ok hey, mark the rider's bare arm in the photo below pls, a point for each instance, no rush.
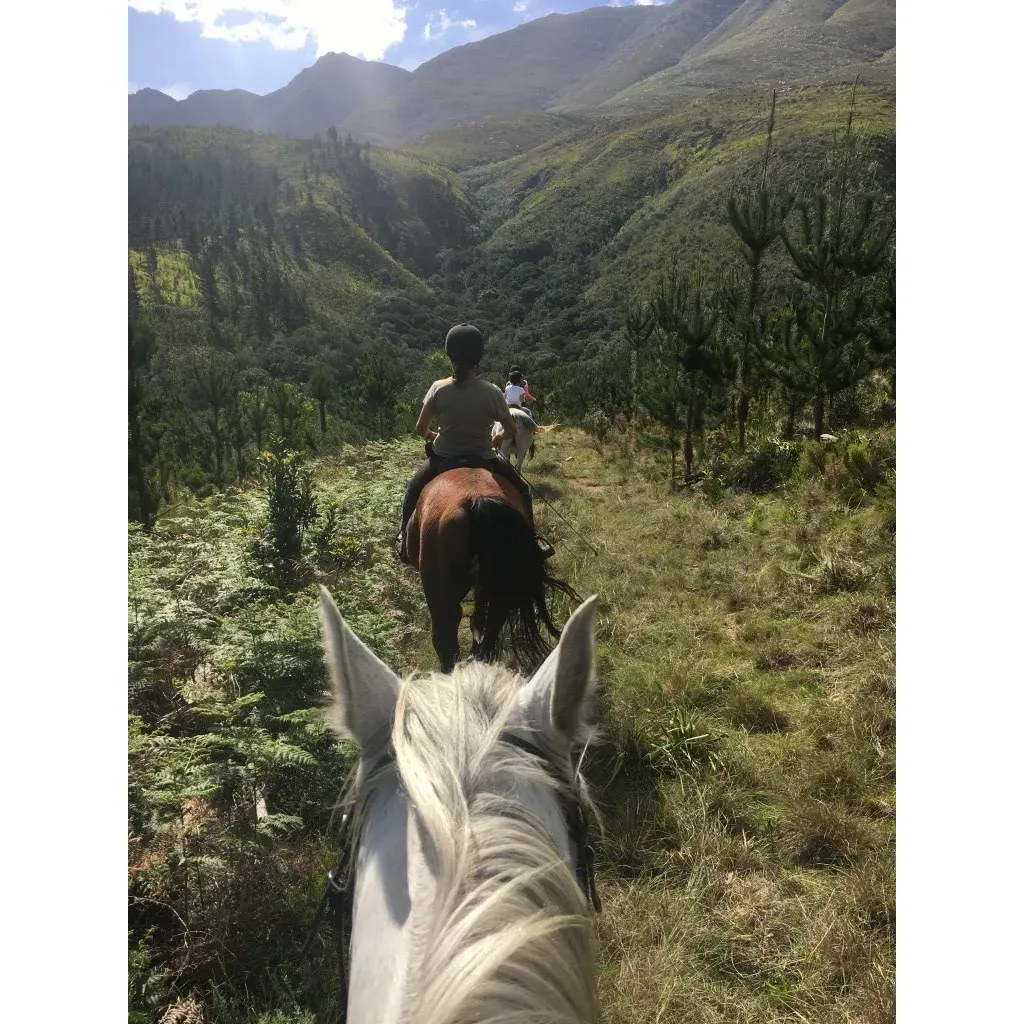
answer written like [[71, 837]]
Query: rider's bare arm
[[508, 423], [423, 423]]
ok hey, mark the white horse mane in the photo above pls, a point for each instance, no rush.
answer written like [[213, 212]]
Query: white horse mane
[[508, 938]]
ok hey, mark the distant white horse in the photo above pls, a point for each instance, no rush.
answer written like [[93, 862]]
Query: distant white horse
[[465, 905], [526, 431]]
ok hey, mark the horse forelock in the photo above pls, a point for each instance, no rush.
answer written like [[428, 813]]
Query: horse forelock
[[507, 934]]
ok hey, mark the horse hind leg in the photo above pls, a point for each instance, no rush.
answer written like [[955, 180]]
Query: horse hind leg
[[477, 624], [444, 634], [444, 602]]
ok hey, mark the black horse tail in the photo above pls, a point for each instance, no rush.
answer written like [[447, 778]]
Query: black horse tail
[[514, 582]]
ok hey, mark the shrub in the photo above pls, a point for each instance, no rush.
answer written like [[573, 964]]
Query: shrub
[[851, 466], [598, 423], [869, 460], [291, 509], [764, 466], [682, 744]]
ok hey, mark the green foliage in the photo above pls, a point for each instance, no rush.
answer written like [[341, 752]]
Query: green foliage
[[765, 465], [257, 410], [840, 244], [382, 383], [321, 388], [680, 364], [291, 509], [682, 744], [232, 772], [855, 466], [757, 220]]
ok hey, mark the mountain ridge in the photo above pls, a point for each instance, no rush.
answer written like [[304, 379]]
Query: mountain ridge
[[602, 60], [316, 98]]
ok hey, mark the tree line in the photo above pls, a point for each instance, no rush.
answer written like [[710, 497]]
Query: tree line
[[700, 349]]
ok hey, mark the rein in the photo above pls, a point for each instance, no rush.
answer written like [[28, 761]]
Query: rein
[[338, 888], [534, 490]]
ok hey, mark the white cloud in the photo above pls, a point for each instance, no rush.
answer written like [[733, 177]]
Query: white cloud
[[366, 28], [439, 23], [519, 6], [177, 91], [649, 3]]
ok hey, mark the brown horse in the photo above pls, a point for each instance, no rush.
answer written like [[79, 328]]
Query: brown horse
[[469, 531]]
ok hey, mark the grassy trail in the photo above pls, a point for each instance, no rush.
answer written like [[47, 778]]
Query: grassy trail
[[746, 774]]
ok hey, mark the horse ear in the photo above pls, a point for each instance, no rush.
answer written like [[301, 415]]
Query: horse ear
[[365, 690], [561, 689]]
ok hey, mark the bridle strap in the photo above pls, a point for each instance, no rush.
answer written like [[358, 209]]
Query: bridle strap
[[579, 828], [337, 896]]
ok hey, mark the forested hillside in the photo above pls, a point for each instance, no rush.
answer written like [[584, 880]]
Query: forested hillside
[[258, 262], [264, 270]]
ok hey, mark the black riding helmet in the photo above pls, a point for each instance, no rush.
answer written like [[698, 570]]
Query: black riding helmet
[[515, 377], [464, 345]]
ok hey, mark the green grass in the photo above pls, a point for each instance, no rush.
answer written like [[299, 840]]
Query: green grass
[[759, 884], [746, 771]]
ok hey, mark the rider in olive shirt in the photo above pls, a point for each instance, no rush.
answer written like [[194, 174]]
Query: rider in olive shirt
[[465, 408]]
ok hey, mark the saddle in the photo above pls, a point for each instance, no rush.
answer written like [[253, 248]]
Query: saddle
[[442, 463]]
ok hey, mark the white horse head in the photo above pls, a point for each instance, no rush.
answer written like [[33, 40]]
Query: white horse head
[[465, 902]]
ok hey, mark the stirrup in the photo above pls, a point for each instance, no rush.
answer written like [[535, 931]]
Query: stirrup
[[400, 552], [546, 550]]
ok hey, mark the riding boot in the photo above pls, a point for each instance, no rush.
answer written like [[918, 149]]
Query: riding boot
[[545, 548], [401, 551]]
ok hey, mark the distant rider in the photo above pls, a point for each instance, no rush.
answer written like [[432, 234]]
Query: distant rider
[[465, 407], [517, 392]]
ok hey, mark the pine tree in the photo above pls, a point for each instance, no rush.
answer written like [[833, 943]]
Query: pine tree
[[257, 410], [235, 424], [881, 325], [382, 383], [839, 245], [321, 388], [216, 384], [682, 364], [757, 221], [637, 329], [813, 365], [288, 410]]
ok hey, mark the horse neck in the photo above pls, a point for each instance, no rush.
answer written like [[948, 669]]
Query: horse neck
[[476, 913]]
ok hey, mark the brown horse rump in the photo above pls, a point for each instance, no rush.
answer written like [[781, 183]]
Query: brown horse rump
[[442, 505]]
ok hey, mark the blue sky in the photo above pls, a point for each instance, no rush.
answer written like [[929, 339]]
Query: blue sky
[[179, 46]]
